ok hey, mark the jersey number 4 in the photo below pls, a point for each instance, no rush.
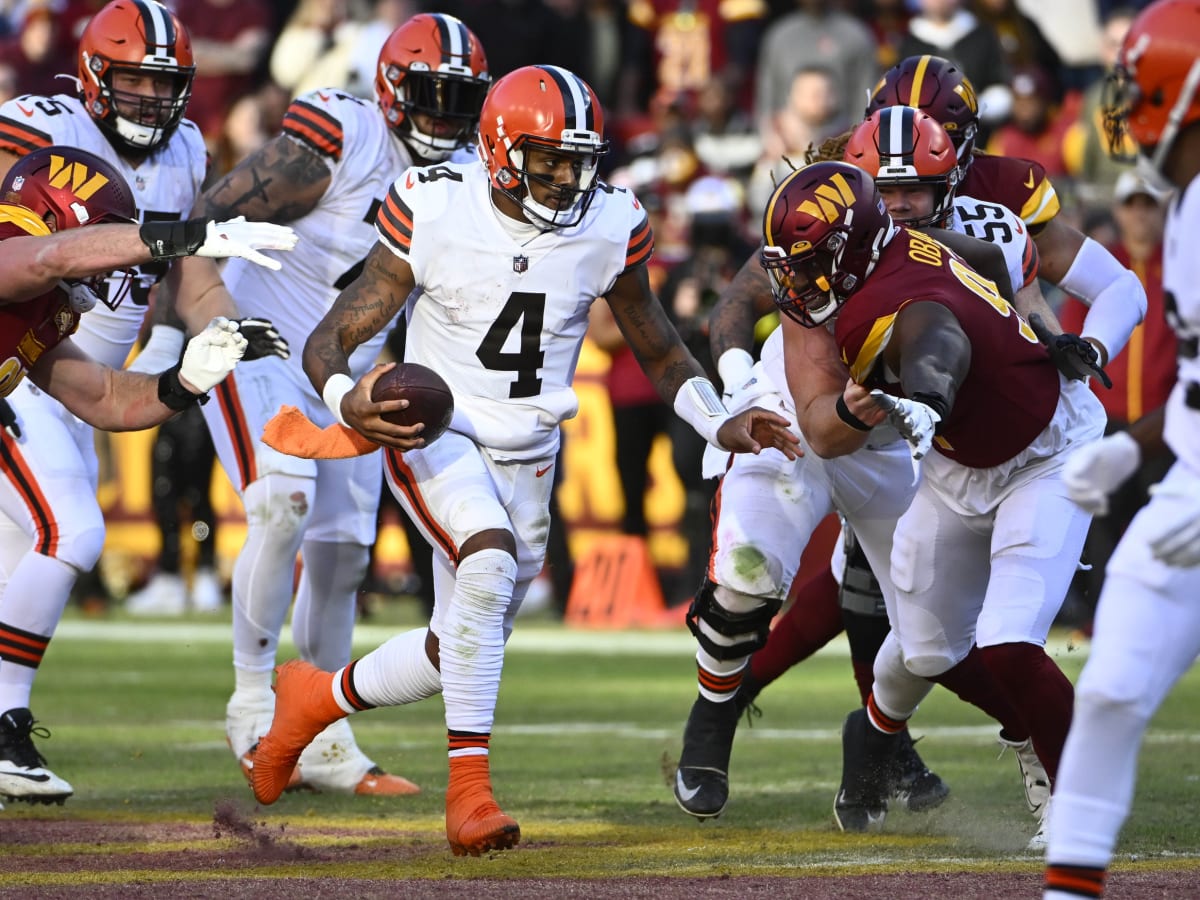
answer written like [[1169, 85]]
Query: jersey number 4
[[528, 310]]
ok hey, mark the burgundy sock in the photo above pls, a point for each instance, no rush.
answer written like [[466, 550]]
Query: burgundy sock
[[811, 622], [1039, 689], [972, 681]]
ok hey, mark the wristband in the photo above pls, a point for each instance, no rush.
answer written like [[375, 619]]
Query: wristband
[[173, 395], [848, 417], [336, 387], [697, 403], [171, 240], [937, 403]]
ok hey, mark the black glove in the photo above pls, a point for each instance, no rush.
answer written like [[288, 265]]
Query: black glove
[[262, 339], [1075, 357], [171, 240], [8, 419]]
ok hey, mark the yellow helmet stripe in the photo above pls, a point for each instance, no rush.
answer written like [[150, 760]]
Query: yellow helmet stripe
[[914, 99]]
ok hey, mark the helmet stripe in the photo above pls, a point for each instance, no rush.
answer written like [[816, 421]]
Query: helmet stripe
[[577, 103], [452, 36], [160, 29], [899, 124], [914, 98]]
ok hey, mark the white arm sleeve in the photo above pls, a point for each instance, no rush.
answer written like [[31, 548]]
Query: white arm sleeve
[[1116, 298]]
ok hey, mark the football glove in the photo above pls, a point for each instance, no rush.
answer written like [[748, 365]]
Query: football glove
[[218, 240], [1074, 356], [1178, 541], [1098, 468], [212, 354], [915, 421], [262, 339]]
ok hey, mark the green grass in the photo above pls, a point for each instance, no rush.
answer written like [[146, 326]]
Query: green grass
[[588, 729]]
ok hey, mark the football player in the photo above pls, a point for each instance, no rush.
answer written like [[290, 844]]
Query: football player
[[52, 267], [327, 173], [135, 72], [499, 261], [984, 553], [1147, 627]]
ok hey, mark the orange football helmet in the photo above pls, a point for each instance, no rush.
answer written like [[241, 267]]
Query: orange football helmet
[[142, 38], [938, 88], [432, 65], [902, 145], [1152, 91], [823, 230], [548, 108], [67, 188]]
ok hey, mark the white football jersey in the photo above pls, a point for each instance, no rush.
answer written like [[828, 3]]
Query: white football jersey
[[363, 157], [164, 185], [998, 225], [1181, 291], [503, 321]]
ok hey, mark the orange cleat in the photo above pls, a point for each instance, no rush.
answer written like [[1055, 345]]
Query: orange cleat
[[304, 706], [474, 823], [378, 783]]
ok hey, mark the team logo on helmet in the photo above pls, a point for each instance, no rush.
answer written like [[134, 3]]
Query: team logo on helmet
[[831, 202]]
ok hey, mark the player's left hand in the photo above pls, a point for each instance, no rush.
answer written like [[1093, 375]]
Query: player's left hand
[[237, 237], [262, 339], [751, 430], [1074, 356], [1178, 541], [211, 355], [914, 420]]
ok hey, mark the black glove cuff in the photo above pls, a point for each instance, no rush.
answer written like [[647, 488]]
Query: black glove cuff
[[171, 240], [173, 395], [937, 403], [848, 417]]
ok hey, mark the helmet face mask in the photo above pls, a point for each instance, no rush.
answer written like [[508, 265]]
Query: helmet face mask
[[430, 83], [823, 231], [543, 116], [69, 188], [900, 145], [135, 72]]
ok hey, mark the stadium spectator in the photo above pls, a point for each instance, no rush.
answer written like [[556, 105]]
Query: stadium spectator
[[1035, 128]]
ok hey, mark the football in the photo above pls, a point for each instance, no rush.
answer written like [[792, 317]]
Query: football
[[428, 395]]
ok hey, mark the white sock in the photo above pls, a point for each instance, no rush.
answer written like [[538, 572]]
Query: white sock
[[33, 603], [277, 511], [395, 673], [471, 637]]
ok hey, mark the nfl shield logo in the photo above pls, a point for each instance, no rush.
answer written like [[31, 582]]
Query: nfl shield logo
[[520, 264]]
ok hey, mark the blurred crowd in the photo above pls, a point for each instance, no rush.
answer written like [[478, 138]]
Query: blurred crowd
[[708, 103]]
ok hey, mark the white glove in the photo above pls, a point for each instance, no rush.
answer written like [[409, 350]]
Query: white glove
[[914, 420], [1178, 543], [1097, 469], [82, 297], [212, 354], [162, 350], [237, 237]]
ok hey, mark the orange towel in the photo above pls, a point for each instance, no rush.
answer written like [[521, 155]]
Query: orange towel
[[293, 433]]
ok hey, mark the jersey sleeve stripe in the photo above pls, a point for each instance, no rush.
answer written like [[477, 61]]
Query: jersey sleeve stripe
[[314, 127], [641, 243], [394, 222], [1041, 207], [1029, 262], [21, 139]]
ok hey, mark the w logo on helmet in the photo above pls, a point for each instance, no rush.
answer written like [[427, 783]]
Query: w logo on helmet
[[967, 91], [831, 200], [82, 182]]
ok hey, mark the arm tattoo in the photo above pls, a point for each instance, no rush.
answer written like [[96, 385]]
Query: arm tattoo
[[281, 182], [741, 305]]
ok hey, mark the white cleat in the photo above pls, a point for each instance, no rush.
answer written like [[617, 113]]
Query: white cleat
[[163, 595], [207, 595], [23, 773], [333, 762]]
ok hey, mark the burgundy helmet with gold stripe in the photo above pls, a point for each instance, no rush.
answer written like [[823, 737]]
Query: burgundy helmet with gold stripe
[[135, 38]]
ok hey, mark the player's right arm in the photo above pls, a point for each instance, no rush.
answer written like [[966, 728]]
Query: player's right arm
[[367, 305]]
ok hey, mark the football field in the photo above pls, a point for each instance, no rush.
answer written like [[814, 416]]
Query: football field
[[587, 734]]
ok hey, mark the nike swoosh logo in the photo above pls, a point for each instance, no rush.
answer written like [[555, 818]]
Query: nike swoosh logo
[[28, 112], [26, 776], [684, 793], [324, 97], [540, 472], [1029, 180], [408, 181]]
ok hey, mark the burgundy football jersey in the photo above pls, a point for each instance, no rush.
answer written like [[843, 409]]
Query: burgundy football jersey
[[1019, 184], [29, 329], [1011, 389]]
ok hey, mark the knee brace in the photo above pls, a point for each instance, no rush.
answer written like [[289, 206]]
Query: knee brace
[[859, 591], [747, 630]]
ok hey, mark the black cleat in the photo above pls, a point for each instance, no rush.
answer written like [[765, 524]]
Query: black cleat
[[913, 786], [702, 777], [867, 756], [23, 772]]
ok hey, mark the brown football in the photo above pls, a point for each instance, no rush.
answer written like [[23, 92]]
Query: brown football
[[428, 395]]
